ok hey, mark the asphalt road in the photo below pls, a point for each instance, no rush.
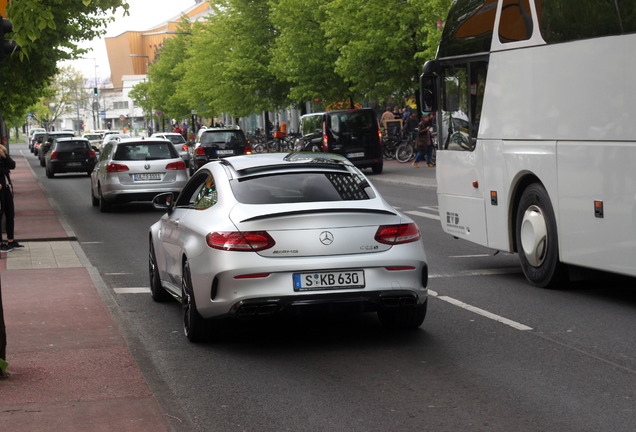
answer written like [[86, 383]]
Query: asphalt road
[[493, 354]]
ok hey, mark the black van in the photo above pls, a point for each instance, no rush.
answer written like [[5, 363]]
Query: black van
[[353, 133]]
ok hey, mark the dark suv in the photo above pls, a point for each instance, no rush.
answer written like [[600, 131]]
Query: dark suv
[[70, 155], [216, 143], [47, 142], [354, 134]]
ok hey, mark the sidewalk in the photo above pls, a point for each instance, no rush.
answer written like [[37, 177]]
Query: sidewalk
[[69, 366]]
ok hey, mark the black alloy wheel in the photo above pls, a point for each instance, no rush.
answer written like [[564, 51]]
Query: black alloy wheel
[[193, 323]]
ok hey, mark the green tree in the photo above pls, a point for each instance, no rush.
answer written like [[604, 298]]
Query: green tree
[[228, 68], [166, 72], [301, 52], [382, 46], [47, 33]]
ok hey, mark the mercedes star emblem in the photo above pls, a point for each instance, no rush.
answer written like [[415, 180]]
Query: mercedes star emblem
[[326, 238]]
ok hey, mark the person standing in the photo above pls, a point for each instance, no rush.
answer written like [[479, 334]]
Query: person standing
[[6, 199], [423, 140], [386, 116]]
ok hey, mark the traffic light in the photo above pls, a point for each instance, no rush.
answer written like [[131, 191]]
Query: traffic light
[[7, 46], [95, 91]]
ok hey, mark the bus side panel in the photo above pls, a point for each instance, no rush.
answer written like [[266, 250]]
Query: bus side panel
[[461, 206], [506, 164], [586, 238], [496, 180]]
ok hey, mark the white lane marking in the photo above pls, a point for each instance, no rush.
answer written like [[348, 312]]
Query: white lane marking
[[422, 214], [138, 290], [481, 312], [117, 274]]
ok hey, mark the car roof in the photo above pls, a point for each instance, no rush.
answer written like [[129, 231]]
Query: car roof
[[60, 132], [246, 165], [71, 139], [142, 141], [166, 133]]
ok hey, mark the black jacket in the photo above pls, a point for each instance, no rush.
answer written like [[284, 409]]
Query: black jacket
[[6, 165]]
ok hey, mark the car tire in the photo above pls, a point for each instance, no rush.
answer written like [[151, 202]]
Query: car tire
[[42, 163], [49, 173], [157, 292], [377, 169], [94, 199], [537, 239], [104, 206], [403, 318], [193, 323]]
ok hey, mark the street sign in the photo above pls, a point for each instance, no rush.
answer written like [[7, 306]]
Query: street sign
[[158, 113], [102, 112], [29, 115], [122, 117]]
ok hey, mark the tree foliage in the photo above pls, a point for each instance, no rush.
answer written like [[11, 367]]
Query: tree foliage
[[47, 32], [256, 55]]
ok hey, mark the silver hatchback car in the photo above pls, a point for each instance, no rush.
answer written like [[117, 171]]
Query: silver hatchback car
[[136, 170], [270, 233]]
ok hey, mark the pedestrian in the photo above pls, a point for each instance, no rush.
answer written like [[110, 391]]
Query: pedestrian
[[6, 200], [423, 140], [387, 115], [283, 128], [177, 129]]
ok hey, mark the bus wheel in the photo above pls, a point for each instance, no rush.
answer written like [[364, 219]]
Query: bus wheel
[[537, 241]]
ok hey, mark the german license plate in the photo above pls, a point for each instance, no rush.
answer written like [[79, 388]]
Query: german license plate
[[356, 155], [328, 280], [146, 176], [73, 164], [225, 152]]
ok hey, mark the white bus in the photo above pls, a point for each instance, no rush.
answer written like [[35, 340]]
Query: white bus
[[545, 164]]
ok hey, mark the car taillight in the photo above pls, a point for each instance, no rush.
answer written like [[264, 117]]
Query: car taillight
[[184, 147], [325, 138], [248, 150], [54, 155], [115, 168], [240, 241], [200, 151], [176, 166], [91, 153], [397, 234], [380, 136]]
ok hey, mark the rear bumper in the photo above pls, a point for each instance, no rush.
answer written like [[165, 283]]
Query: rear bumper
[[327, 303], [57, 167]]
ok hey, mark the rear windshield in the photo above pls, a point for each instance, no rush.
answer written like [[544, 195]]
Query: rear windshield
[[66, 135], [71, 146], [223, 137], [302, 187], [176, 139], [93, 137], [353, 122], [145, 151]]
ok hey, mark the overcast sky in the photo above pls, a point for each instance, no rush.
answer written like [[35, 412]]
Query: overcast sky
[[144, 15]]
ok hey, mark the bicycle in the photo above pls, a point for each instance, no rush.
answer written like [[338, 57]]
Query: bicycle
[[405, 151]]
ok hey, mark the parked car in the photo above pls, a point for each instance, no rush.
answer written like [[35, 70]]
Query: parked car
[[273, 233], [47, 142], [70, 155], [136, 170], [94, 138], [179, 142], [215, 143], [353, 133]]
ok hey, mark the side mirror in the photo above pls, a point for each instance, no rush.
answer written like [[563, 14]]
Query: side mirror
[[164, 201]]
